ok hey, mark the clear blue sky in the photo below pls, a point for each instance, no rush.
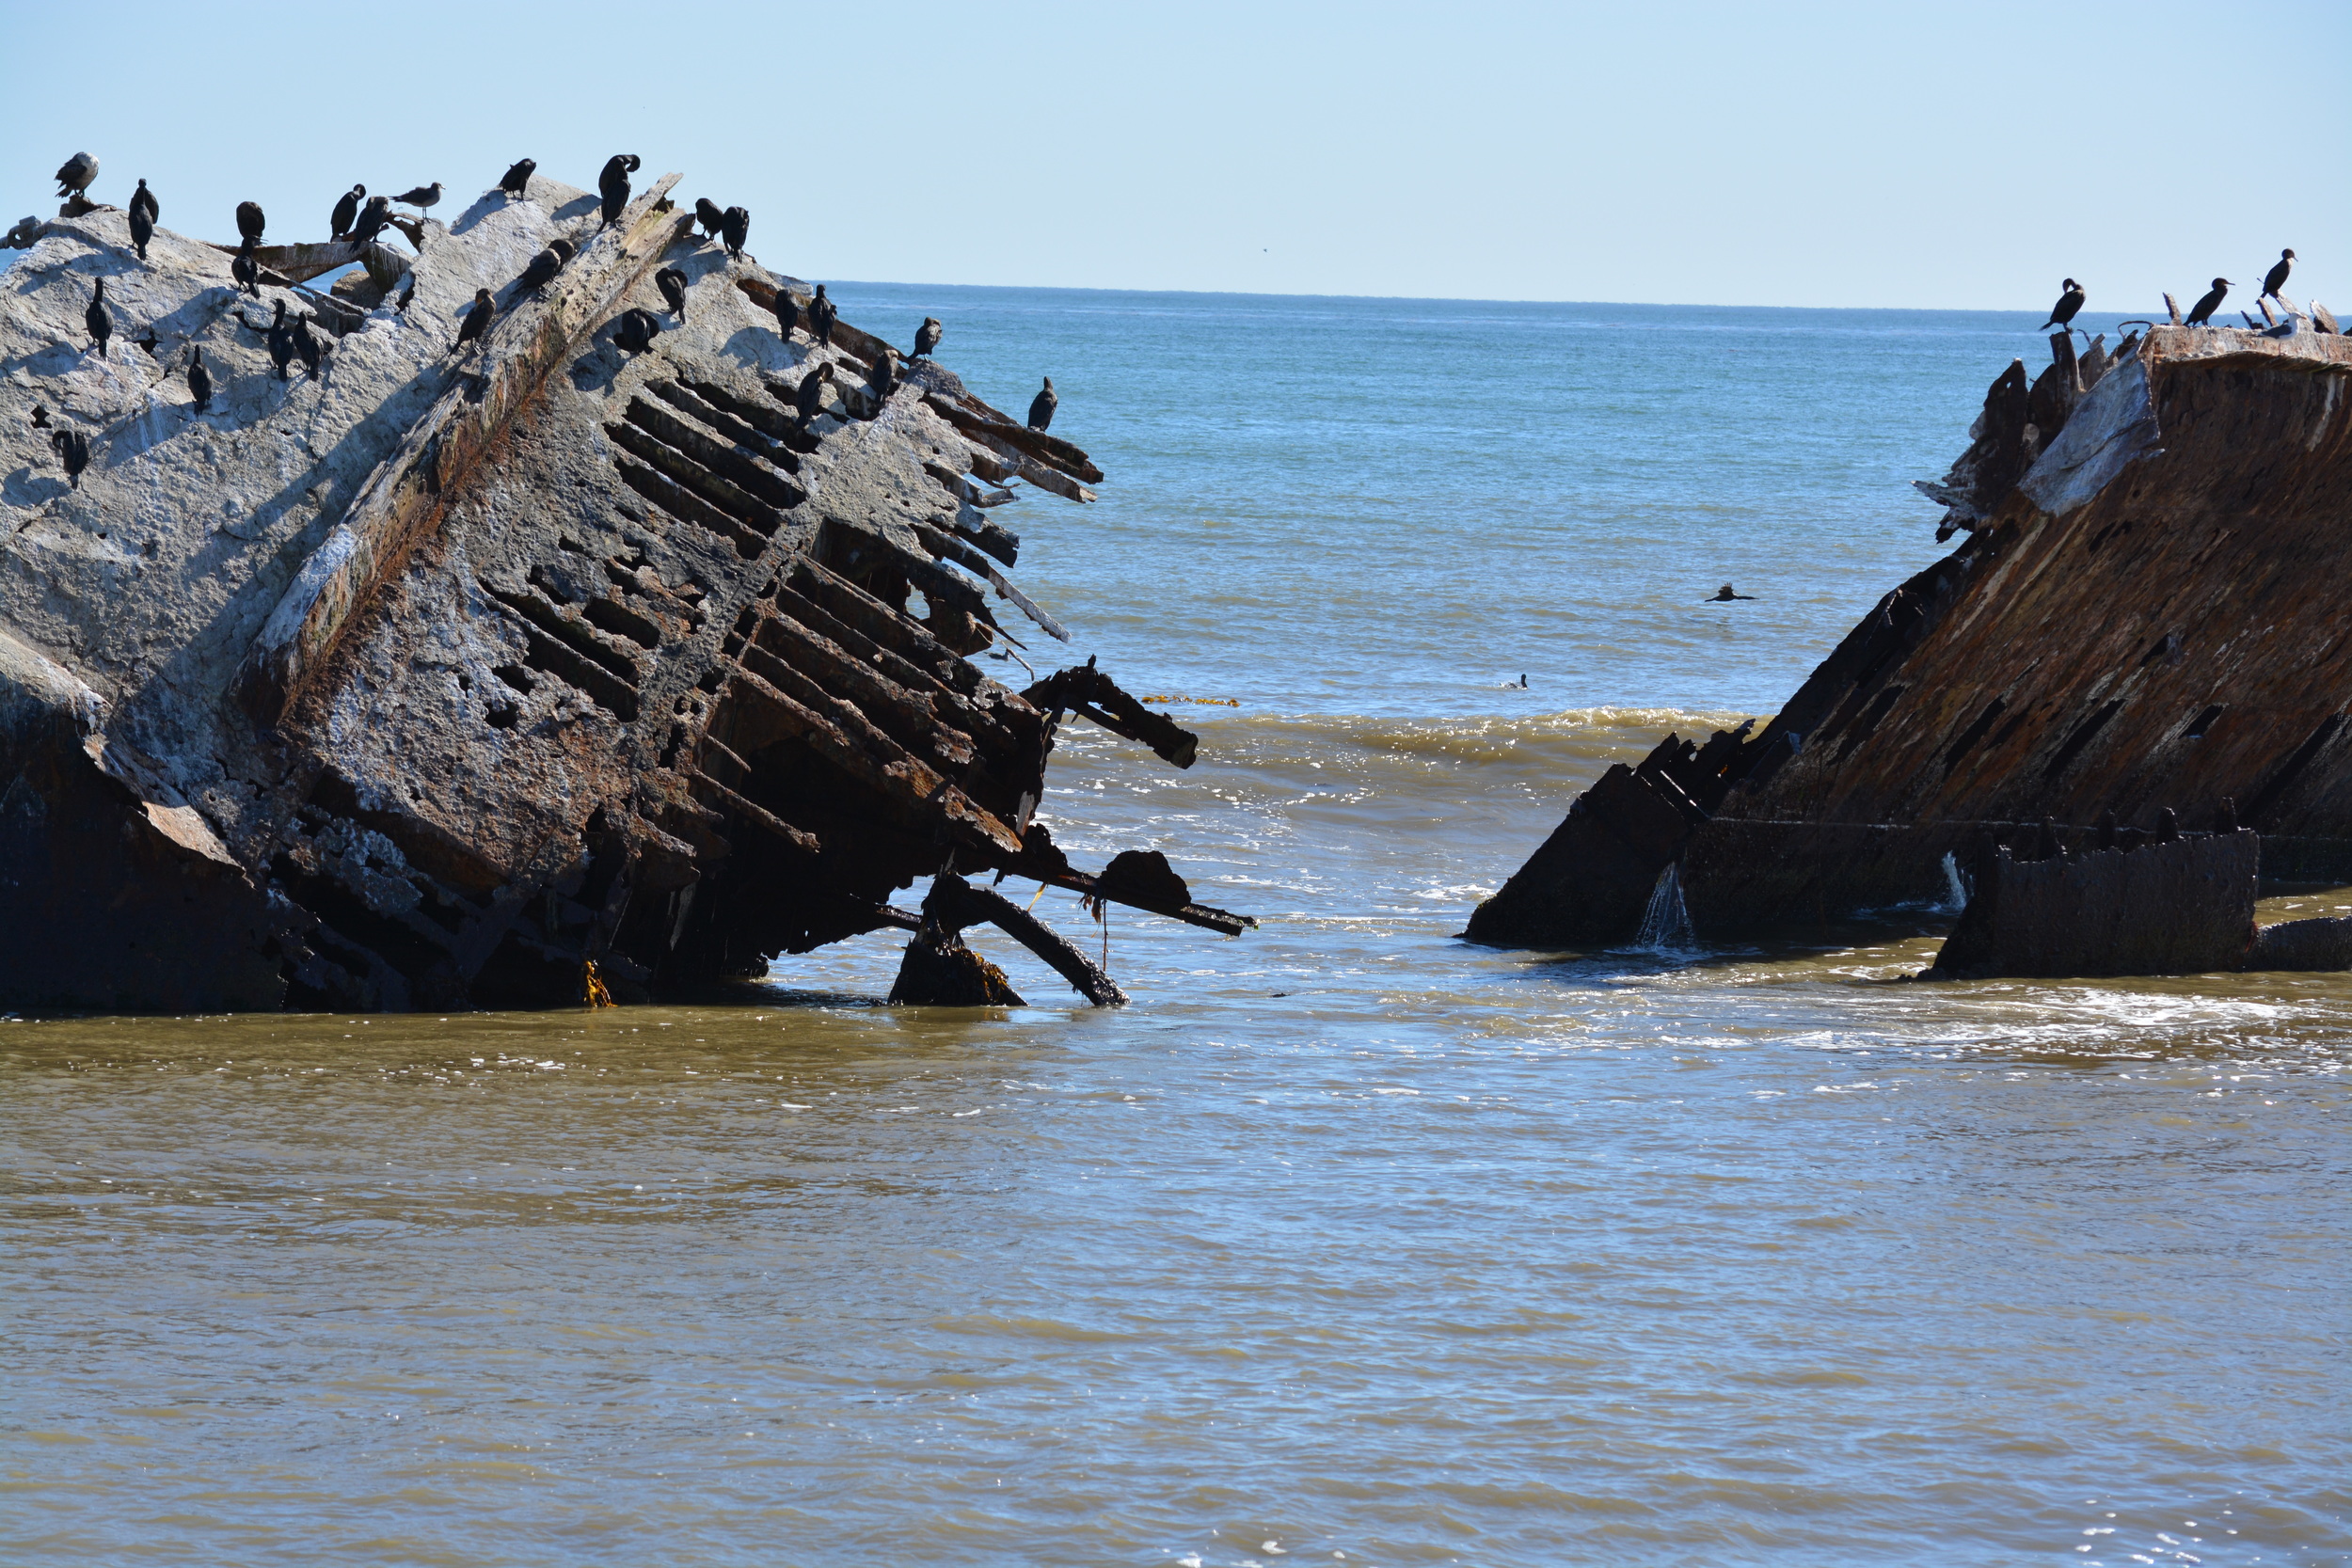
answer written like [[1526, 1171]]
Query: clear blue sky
[[1951, 155]]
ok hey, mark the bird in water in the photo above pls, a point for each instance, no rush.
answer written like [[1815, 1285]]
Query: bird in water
[[808, 400], [821, 315], [250, 221], [883, 379], [1725, 595], [613, 185], [199, 379], [672, 282], [787, 308], [735, 228], [638, 329], [2062, 313], [346, 212], [2202, 314], [517, 180], [372, 220], [308, 345], [1042, 405], [2278, 277], [477, 320], [142, 229], [707, 213], [926, 337], [101, 325], [75, 173], [246, 270], [544, 266], [281, 348], [72, 448], [420, 199]]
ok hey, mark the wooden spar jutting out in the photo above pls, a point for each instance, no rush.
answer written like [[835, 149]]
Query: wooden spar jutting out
[[433, 678]]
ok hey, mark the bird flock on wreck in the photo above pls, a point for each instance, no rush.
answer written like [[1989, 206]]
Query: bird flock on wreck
[[2073, 296], [360, 217]]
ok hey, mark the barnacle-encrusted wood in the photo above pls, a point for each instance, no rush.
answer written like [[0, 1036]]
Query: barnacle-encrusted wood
[[422, 680]]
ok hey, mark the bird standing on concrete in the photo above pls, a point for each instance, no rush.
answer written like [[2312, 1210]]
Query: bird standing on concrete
[[75, 173], [346, 212], [2062, 313], [517, 180], [926, 337], [281, 348], [672, 282], [1042, 405], [372, 220], [309, 345], [250, 222], [142, 229], [707, 213], [246, 270], [808, 398], [735, 228], [2278, 279], [2202, 314], [101, 324], [613, 185], [199, 379], [787, 308], [821, 315], [477, 320], [72, 448], [638, 329], [420, 199]]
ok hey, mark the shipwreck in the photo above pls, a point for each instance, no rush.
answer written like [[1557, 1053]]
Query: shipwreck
[[2142, 637], [609, 650]]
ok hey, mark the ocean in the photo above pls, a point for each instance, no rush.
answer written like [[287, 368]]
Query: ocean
[[1347, 1242]]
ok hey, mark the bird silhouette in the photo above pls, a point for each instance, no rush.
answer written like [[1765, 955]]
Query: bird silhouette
[[2202, 314], [638, 329], [517, 180], [926, 337], [308, 345], [544, 266], [735, 228], [822, 314], [101, 326], [2278, 277], [883, 378], [346, 212], [72, 448], [250, 222], [420, 199], [372, 220], [246, 270], [1725, 595], [281, 345], [808, 398], [707, 214], [143, 200], [142, 229], [2062, 313], [75, 175], [1042, 405], [672, 282], [478, 318], [787, 308], [199, 379], [613, 185]]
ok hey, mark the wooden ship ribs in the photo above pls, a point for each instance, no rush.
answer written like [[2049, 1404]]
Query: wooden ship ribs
[[432, 678], [2146, 615]]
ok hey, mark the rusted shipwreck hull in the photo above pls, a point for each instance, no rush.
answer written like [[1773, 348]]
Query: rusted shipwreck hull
[[424, 680], [2148, 613]]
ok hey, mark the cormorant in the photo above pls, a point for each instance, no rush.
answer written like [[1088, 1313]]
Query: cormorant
[[822, 314], [1725, 595], [477, 320], [199, 379], [544, 266], [707, 213], [250, 220], [638, 329], [374, 220], [142, 229], [788, 308], [308, 345], [2202, 314], [926, 337], [143, 200], [883, 378], [101, 326], [281, 348], [1042, 405], [422, 197], [672, 282], [808, 400], [613, 185], [517, 180], [75, 173], [2062, 313], [735, 226], [346, 212], [72, 448], [2278, 279], [246, 270]]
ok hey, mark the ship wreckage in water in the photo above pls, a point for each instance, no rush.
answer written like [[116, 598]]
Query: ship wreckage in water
[[2138, 661], [431, 676]]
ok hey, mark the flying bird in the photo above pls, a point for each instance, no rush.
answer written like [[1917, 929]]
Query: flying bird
[[250, 220], [1042, 405], [639, 328], [822, 314], [735, 226], [246, 270], [788, 308], [142, 229], [72, 448], [517, 180], [2202, 314], [2062, 313], [707, 213], [374, 220], [2278, 277], [75, 173], [808, 398], [143, 200], [101, 326], [199, 379], [347, 211], [281, 348], [422, 197], [926, 337], [672, 282], [309, 345], [613, 185], [477, 320]]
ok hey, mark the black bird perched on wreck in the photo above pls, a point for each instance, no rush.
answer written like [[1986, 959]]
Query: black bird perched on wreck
[[883, 378], [346, 212], [309, 344], [787, 308], [2278, 277], [477, 320], [250, 221], [808, 398], [672, 282], [707, 213], [72, 448], [199, 379], [142, 229], [282, 346], [613, 185], [926, 337], [735, 228], [422, 197], [372, 220], [517, 180], [1042, 405], [2062, 313], [246, 270], [101, 325], [143, 200], [638, 329], [75, 175], [544, 266], [821, 315], [2202, 314]]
